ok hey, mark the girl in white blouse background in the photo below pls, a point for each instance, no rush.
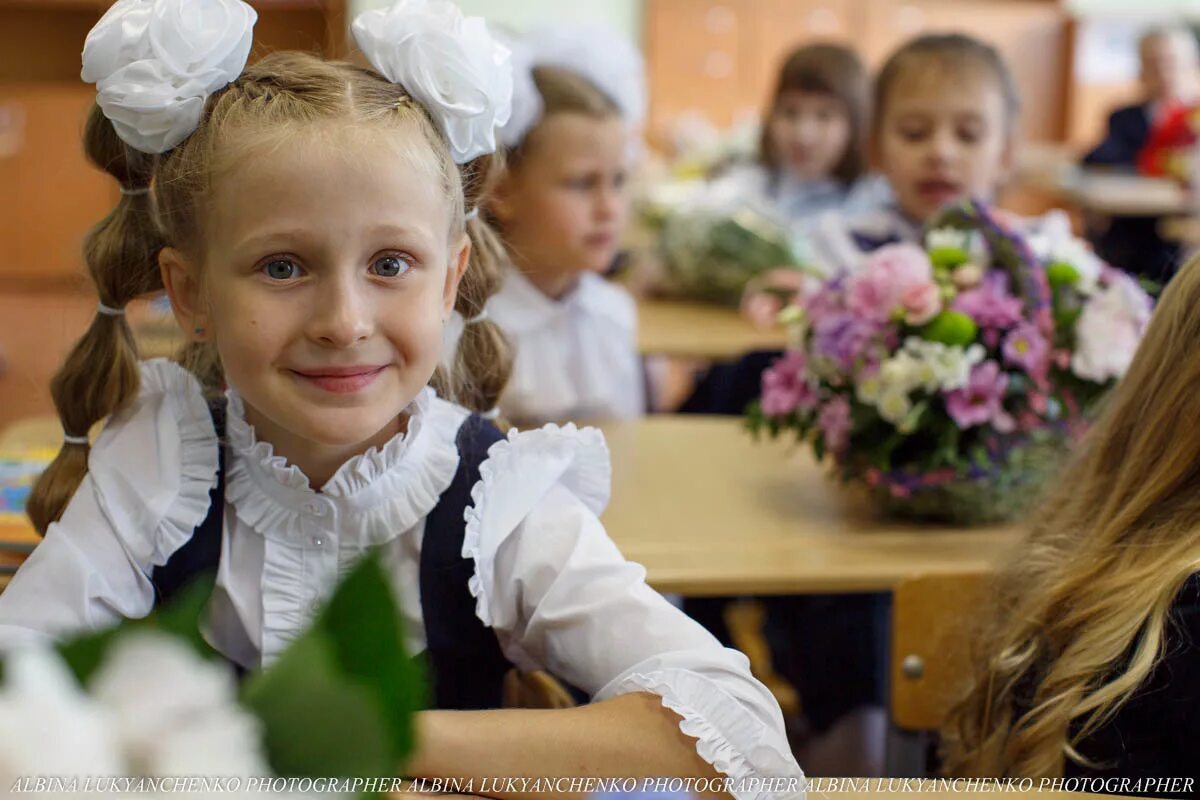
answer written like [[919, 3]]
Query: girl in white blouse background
[[561, 208], [311, 223]]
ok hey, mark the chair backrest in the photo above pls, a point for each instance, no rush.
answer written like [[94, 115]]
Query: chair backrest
[[934, 619], [534, 690]]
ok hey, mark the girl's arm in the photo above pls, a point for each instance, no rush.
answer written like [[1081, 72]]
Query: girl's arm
[[628, 736], [561, 597]]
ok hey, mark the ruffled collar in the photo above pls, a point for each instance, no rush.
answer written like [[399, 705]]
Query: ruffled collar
[[371, 499]]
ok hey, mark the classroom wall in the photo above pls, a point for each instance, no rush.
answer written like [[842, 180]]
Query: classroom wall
[[624, 16]]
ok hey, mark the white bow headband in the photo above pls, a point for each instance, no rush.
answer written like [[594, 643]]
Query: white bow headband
[[608, 61], [155, 62]]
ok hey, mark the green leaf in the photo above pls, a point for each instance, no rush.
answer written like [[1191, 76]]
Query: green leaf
[[316, 723], [363, 622], [181, 618], [347, 684]]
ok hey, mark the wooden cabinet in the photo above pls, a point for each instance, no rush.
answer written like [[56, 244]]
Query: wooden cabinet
[[682, 48], [51, 195]]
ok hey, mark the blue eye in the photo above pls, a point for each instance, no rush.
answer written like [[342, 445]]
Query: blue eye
[[281, 269], [390, 266]]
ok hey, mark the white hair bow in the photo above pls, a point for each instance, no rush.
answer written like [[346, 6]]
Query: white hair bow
[[155, 62], [449, 63], [605, 59]]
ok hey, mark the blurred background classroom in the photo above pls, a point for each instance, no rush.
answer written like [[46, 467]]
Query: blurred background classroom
[[769, 525], [710, 67]]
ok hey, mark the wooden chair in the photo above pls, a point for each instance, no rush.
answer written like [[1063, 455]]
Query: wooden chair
[[534, 690], [934, 619]]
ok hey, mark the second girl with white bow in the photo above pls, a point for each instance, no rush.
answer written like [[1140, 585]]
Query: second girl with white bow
[[561, 209], [310, 221]]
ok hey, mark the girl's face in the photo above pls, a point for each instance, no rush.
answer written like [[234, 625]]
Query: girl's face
[[943, 138], [328, 274], [563, 207], [810, 132]]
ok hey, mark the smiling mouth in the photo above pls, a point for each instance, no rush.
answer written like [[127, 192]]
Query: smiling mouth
[[340, 380]]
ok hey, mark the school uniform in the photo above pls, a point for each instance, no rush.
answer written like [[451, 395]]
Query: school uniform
[[574, 358], [793, 200], [528, 557]]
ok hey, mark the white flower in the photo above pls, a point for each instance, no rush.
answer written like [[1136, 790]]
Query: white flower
[[1109, 329], [1054, 243], [174, 713], [449, 63], [48, 726], [948, 239], [155, 61], [894, 406]]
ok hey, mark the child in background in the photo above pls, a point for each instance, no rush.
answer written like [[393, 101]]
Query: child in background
[[561, 208], [311, 222], [943, 130], [812, 151], [1090, 666], [812, 160]]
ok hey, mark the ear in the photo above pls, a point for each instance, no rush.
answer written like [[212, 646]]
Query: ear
[[182, 282], [454, 274]]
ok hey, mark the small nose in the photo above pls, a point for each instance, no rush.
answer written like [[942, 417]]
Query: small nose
[[343, 314]]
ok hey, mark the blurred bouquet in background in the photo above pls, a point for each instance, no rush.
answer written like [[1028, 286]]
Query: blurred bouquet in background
[[711, 239], [947, 378]]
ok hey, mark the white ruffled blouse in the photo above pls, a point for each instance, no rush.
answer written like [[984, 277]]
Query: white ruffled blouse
[[573, 359], [547, 579]]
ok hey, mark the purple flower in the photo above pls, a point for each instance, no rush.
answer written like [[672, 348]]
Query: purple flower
[[834, 420], [982, 400], [1025, 347], [990, 304], [786, 385], [844, 339]]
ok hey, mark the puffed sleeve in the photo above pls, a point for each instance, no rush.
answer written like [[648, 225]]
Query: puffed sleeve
[[146, 490], [561, 596]]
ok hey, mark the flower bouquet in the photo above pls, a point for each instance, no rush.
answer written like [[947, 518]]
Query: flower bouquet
[[946, 378], [711, 241]]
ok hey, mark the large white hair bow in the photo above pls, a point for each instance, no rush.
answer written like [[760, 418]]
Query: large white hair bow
[[449, 63], [154, 62], [605, 59]]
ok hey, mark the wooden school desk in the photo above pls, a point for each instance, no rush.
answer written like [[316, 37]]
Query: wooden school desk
[[686, 329], [709, 511], [1119, 194]]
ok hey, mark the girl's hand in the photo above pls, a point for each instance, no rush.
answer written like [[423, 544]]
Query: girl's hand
[[767, 294]]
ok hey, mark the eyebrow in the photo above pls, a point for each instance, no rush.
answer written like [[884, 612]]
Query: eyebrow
[[268, 239]]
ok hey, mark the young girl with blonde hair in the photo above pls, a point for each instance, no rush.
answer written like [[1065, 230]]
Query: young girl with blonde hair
[[1090, 663], [313, 225]]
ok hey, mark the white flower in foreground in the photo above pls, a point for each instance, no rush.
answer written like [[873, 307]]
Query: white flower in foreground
[[48, 726], [174, 713], [1109, 330]]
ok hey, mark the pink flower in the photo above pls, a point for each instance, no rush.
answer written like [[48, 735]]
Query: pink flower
[[921, 303], [834, 420], [889, 275], [990, 304], [981, 401], [786, 386], [1025, 347]]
